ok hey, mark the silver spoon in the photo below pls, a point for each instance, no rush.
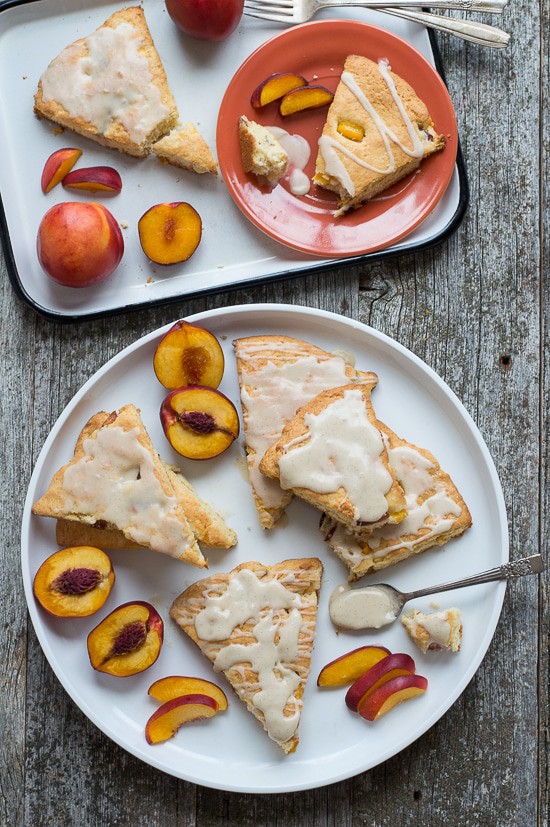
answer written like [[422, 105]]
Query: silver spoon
[[371, 607]]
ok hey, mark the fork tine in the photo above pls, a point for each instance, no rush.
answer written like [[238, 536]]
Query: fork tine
[[288, 3], [268, 6], [277, 18]]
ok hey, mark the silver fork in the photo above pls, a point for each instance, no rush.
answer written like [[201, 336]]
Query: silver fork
[[291, 12]]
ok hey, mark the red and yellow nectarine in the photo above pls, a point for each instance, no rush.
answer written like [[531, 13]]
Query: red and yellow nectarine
[[57, 166], [127, 641], [351, 666], [165, 722], [188, 355], [74, 582], [199, 422]]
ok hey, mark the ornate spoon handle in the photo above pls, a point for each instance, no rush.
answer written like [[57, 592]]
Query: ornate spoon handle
[[490, 6]]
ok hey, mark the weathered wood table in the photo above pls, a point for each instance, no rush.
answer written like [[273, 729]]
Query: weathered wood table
[[476, 309]]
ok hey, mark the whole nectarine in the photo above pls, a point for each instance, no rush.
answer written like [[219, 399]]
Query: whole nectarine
[[206, 19], [79, 243]]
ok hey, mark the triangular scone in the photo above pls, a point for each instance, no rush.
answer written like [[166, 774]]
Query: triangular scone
[[256, 624], [377, 131], [332, 455], [110, 86], [117, 478], [186, 148], [277, 375], [436, 513]]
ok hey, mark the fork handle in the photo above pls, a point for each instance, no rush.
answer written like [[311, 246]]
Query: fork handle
[[489, 6], [479, 33]]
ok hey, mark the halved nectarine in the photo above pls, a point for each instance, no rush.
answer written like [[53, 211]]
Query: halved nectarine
[[74, 582], [165, 722], [385, 670], [188, 355], [57, 166], [351, 666], [199, 422], [127, 641], [175, 686], [390, 694], [275, 87], [304, 97], [170, 233]]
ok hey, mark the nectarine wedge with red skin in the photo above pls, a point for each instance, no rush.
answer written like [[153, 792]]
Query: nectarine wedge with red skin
[[275, 87], [105, 180], [352, 665], [176, 686], [74, 582], [127, 641], [165, 722], [398, 663], [170, 233], [199, 422], [304, 97], [188, 355], [390, 694], [57, 166]]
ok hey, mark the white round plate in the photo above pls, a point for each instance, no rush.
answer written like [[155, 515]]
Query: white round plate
[[230, 751]]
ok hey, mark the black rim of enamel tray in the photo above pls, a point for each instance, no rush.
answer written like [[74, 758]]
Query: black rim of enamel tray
[[363, 258]]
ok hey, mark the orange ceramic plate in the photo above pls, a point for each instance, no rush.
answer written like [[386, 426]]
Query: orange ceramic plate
[[317, 51]]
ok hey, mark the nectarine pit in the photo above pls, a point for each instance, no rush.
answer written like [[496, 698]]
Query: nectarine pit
[[200, 422], [131, 637], [76, 581]]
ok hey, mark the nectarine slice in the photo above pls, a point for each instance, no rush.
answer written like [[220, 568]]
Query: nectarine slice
[[104, 180], [305, 97], [351, 666], [188, 355], [385, 670], [127, 641], [275, 87], [199, 422], [352, 131], [390, 694], [74, 582], [170, 233], [165, 722], [175, 686], [57, 166]]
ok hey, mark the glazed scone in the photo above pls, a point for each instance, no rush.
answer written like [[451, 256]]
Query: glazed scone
[[186, 148], [278, 375], [436, 512], [332, 455], [434, 631], [110, 86], [117, 479], [377, 131], [256, 624], [262, 154]]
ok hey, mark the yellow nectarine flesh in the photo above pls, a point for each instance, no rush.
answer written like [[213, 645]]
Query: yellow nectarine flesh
[[175, 686], [305, 97], [170, 233], [275, 87], [352, 131], [74, 582], [127, 641], [394, 692], [57, 166], [165, 722], [351, 666], [188, 355], [398, 663], [199, 422]]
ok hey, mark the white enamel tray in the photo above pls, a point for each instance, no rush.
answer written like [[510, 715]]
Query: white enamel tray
[[232, 251], [231, 751]]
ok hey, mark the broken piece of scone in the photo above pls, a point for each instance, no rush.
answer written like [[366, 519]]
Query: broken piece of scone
[[262, 154], [186, 148], [434, 631], [256, 624]]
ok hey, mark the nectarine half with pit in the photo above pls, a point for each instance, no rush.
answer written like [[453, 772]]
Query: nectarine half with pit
[[275, 87], [165, 722], [74, 582], [57, 166], [349, 667], [385, 670], [127, 641], [188, 355], [104, 180], [79, 243], [175, 686], [199, 422], [170, 233], [304, 97], [390, 694]]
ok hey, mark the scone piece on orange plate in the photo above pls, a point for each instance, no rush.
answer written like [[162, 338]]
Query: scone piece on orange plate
[[434, 631], [186, 148], [377, 131], [278, 375], [117, 480], [261, 152], [256, 624], [436, 512], [332, 455], [110, 86]]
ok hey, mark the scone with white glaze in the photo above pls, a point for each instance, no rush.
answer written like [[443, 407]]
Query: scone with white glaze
[[117, 479], [435, 631], [110, 86], [332, 455], [436, 512], [377, 132], [262, 154], [186, 148], [256, 624], [277, 376]]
